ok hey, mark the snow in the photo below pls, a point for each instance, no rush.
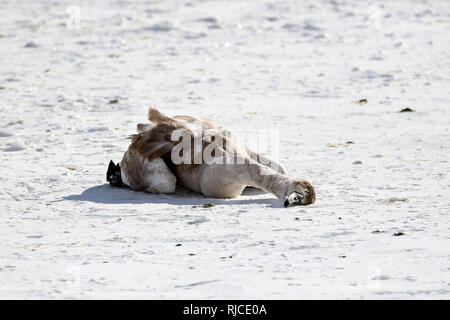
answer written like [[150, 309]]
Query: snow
[[5, 133], [16, 145], [76, 77]]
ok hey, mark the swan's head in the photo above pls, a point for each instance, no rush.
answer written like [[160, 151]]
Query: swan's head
[[301, 193]]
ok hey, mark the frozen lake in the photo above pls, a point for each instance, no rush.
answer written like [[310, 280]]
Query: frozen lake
[[330, 77]]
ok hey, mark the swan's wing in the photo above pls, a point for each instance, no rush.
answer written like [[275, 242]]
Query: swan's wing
[[150, 144], [142, 127], [199, 123], [154, 140], [156, 117], [208, 129]]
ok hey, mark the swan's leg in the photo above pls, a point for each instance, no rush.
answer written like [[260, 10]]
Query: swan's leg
[[267, 162], [226, 178]]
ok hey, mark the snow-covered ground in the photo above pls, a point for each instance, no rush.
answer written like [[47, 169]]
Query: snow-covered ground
[[77, 76]]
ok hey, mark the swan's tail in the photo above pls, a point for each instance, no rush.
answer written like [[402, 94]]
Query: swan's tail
[[113, 175]]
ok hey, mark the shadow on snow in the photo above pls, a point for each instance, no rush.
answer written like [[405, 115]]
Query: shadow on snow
[[110, 195]]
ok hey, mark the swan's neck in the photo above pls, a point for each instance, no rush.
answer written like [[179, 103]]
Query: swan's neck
[[270, 180]]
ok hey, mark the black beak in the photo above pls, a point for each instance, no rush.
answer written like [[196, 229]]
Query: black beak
[[294, 199]]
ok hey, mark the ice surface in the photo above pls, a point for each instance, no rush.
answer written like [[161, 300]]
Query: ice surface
[[77, 76], [16, 145]]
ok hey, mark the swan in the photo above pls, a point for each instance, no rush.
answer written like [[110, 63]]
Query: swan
[[201, 156]]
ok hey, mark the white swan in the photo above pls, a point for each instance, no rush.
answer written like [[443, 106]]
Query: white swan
[[149, 165]]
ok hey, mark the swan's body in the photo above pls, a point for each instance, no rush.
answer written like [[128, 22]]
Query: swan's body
[[149, 163]]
